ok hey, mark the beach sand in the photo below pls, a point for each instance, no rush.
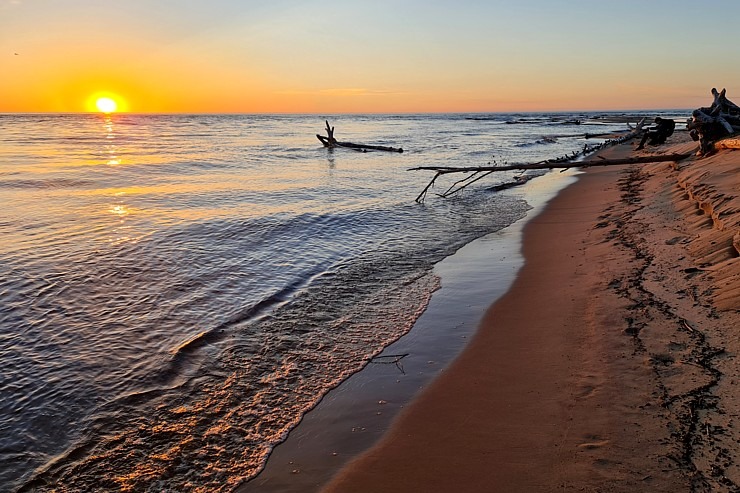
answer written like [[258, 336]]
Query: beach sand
[[610, 364], [354, 416]]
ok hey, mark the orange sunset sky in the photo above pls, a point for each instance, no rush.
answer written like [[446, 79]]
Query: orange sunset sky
[[365, 56]]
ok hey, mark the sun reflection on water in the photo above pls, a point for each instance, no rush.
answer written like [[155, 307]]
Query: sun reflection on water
[[122, 231], [111, 150], [120, 210]]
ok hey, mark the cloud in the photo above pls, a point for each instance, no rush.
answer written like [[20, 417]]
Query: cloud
[[7, 4], [346, 92], [356, 91]]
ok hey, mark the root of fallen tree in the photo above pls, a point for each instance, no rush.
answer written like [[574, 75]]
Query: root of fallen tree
[[708, 125]]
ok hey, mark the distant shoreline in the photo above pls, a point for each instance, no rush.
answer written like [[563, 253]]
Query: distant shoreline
[[322, 115]]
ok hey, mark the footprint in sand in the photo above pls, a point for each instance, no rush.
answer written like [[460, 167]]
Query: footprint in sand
[[593, 442], [585, 391]]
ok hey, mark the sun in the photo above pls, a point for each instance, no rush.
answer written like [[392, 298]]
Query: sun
[[106, 105], [106, 102]]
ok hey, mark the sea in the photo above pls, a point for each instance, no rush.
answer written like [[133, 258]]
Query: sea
[[177, 291]]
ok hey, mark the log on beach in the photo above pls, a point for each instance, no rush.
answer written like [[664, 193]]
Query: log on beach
[[709, 125]]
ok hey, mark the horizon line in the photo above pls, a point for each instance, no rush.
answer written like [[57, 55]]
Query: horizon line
[[338, 113]]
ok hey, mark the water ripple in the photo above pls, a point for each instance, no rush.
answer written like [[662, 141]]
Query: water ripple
[[177, 290]]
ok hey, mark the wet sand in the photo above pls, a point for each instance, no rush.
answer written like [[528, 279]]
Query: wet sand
[[610, 363], [354, 416]]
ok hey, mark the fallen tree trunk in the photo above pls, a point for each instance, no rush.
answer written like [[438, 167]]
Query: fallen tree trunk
[[478, 170], [331, 142], [567, 161], [547, 165], [350, 145]]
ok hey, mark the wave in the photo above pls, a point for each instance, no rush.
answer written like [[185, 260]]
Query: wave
[[538, 142], [261, 273], [221, 331], [47, 184]]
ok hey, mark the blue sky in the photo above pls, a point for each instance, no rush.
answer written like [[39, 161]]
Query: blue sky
[[382, 55]]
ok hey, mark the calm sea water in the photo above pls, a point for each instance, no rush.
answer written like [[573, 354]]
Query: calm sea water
[[177, 291]]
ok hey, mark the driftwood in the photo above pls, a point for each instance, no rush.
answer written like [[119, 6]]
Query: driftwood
[[331, 143], [482, 171], [708, 125], [630, 134], [391, 359]]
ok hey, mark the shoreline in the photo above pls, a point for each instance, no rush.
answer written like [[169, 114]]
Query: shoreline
[[622, 378], [356, 414]]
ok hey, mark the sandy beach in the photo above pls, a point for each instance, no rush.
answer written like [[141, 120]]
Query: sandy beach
[[289, 247], [610, 363]]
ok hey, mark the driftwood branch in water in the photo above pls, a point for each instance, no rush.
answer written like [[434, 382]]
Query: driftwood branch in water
[[477, 170], [331, 142], [465, 182], [480, 172], [391, 359], [580, 164]]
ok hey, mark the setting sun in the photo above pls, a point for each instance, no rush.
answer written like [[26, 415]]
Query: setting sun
[[106, 102], [106, 105]]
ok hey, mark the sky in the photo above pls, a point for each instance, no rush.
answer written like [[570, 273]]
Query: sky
[[365, 56]]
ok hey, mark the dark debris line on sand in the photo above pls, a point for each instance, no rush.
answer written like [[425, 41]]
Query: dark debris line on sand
[[688, 409]]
